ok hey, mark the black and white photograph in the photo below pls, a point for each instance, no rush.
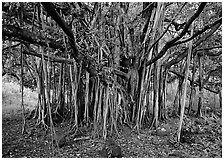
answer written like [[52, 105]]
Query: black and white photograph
[[111, 79]]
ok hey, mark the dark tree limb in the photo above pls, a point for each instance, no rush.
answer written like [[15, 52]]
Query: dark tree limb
[[187, 25], [171, 21], [210, 48], [50, 8], [219, 21], [177, 26], [170, 43], [11, 74], [183, 54], [51, 58], [182, 76], [210, 54], [203, 38], [3, 49], [88, 64], [120, 73], [212, 72], [30, 37]]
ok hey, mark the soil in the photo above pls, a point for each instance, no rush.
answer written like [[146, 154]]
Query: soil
[[204, 141]]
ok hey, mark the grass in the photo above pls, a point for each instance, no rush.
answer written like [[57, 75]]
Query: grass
[[12, 97]]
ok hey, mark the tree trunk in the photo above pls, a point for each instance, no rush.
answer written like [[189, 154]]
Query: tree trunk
[[183, 98], [155, 97], [74, 75], [97, 106], [220, 98], [105, 111], [86, 113], [193, 91], [199, 114]]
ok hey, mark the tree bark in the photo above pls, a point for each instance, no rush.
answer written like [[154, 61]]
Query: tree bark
[[193, 91], [199, 114], [183, 98]]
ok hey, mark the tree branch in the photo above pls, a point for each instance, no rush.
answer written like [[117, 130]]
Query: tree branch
[[50, 8], [10, 46], [200, 32], [210, 48], [88, 64], [30, 37], [210, 54], [170, 43], [187, 25], [182, 76], [164, 31], [202, 39], [51, 58]]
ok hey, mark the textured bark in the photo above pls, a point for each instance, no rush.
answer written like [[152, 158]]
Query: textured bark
[[156, 95], [183, 98], [86, 113], [220, 99], [200, 85], [192, 94]]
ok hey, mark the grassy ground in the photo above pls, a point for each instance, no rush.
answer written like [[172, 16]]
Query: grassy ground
[[11, 97]]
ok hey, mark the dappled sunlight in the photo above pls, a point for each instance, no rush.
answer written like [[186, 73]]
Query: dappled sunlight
[[11, 97]]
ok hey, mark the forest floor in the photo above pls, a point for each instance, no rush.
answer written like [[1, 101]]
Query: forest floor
[[204, 141]]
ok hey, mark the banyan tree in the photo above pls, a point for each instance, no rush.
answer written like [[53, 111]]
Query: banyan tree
[[108, 64]]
